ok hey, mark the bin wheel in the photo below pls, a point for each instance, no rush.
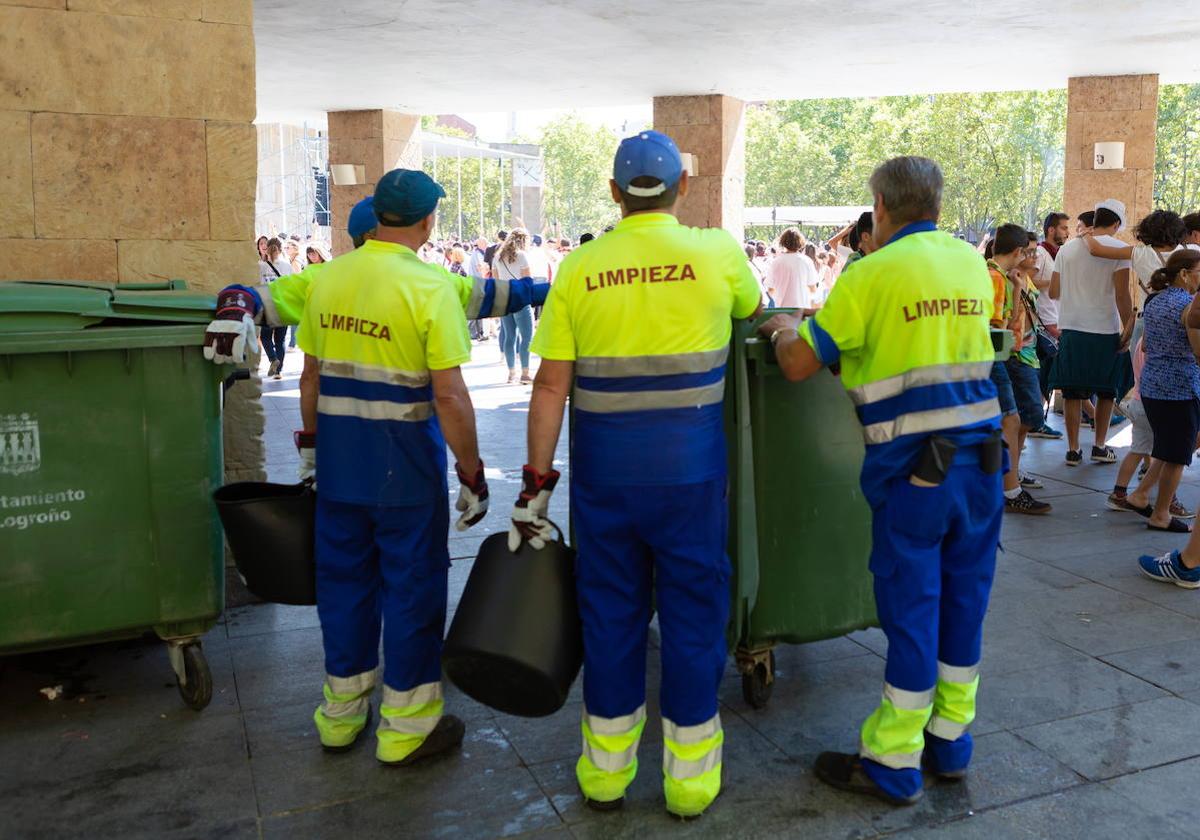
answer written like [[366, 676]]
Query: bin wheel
[[758, 683], [196, 689]]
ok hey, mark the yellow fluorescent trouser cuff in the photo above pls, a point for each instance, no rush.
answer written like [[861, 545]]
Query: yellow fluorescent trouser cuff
[[692, 766], [609, 761], [406, 718], [893, 736], [344, 713], [953, 702]]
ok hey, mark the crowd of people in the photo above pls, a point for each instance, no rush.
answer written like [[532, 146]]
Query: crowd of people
[[795, 273], [279, 256], [1100, 326]]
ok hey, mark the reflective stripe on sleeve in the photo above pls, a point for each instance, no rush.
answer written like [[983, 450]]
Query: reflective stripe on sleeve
[[374, 409], [475, 301], [500, 304], [918, 422], [917, 377], [375, 373]]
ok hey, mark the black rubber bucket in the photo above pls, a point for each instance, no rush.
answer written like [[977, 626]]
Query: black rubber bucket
[[516, 643], [270, 531]]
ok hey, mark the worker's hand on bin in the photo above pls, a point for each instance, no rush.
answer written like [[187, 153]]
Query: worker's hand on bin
[[306, 445], [529, 520], [780, 323], [472, 497], [233, 331]]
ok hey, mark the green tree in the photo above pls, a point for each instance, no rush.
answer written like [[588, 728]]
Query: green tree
[[1177, 151], [578, 161]]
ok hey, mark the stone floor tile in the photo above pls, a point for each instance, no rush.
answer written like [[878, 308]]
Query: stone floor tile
[[1174, 666], [144, 800], [299, 779], [1111, 742], [1087, 812], [1158, 790], [442, 800], [1025, 698], [269, 618]]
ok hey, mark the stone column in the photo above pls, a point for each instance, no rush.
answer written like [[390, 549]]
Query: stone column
[[1111, 108], [128, 154], [711, 128], [376, 140]]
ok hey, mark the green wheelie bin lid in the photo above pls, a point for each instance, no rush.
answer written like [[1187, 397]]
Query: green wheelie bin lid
[[64, 306]]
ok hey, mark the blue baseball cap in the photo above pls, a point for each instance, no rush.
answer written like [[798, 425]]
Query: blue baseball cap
[[408, 194], [362, 218], [647, 154]]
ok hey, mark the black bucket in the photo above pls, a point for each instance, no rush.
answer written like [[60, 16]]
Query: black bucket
[[270, 531], [516, 643]]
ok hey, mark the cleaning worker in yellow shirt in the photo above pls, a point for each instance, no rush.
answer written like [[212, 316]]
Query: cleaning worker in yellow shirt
[[389, 335], [639, 320], [908, 324], [281, 303]]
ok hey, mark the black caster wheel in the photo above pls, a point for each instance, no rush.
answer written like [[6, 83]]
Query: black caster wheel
[[196, 688], [757, 685]]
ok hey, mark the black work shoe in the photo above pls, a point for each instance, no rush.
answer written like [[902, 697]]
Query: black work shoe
[[447, 735], [603, 806], [1074, 457], [1025, 503], [358, 737], [845, 772]]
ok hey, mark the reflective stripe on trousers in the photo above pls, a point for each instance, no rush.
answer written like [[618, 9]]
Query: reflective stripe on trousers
[[894, 733], [609, 384], [609, 760], [692, 765], [953, 701], [344, 713], [406, 718]]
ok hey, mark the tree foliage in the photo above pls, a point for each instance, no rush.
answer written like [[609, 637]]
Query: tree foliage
[[578, 160], [1002, 153], [1177, 152]]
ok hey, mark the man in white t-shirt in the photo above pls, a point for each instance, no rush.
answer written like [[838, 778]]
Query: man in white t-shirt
[[1095, 317], [1056, 229]]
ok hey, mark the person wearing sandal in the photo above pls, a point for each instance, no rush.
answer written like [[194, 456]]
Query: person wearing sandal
[[1170, 382]]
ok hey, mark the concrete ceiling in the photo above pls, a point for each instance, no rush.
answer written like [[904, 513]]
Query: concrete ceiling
[[439, 56]]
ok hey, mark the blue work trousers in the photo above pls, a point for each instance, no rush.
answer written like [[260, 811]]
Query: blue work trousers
[[383, 565], [934, 557], [670, 539]]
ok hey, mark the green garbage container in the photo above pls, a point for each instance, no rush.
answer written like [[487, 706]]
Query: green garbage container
[[800, 528], [110, 449]]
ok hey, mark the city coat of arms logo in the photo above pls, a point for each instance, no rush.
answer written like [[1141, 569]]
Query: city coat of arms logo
[[20, 445]]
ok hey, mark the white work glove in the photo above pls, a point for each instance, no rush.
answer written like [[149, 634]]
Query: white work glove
[[227, 338], [529, 520], [472, 497], [306, 445]]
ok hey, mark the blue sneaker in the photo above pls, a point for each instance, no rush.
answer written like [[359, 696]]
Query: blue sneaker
[[1117, 420], [1046, 431], [1170, 569]]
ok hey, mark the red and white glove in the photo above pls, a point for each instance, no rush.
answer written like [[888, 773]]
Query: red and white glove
[[233, 330], [306, 445], [472, 497], [529, 520]]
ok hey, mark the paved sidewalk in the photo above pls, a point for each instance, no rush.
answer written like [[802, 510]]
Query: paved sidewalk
[[1089, 721]]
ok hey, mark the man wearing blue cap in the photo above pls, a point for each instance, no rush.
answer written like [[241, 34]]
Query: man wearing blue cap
[[389, 335], [648, 470], [282, 303]]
